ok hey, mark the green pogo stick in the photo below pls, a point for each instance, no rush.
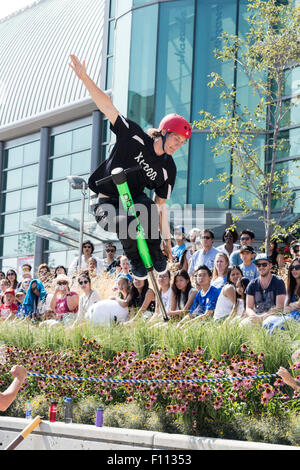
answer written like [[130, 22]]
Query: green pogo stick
[[118, 176]]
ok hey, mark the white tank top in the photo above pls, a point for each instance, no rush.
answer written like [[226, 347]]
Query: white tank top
[[223, 307]]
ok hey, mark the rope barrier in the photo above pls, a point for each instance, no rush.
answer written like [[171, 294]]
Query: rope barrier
[[149, 381]]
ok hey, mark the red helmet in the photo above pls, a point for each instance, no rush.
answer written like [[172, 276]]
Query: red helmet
[[177, 124]]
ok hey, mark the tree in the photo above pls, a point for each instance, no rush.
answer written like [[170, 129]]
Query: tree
[[267, 54]]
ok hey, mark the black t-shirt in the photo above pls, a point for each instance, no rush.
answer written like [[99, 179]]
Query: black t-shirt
[[134, 147], [265, 298]]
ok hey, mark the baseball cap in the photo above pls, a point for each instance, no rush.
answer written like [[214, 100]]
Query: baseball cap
[[247, 248], [179, 228], [262, 257], [10, 290], [20, 291]]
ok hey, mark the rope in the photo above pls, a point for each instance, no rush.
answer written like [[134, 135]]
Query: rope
[[148, 381]]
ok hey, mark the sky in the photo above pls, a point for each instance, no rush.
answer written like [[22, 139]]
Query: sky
[[9, 7]]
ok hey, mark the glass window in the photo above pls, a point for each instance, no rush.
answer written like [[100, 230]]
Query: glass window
[[109, 72], [59, 191], [174, 76], [11, 201], [10, 246], [213, 18], [61, 144], [292, 82], [32, 152], [13, 179], [142, 66], [112, 8], [59, 209], [80, 162], [29, 197], [203, 166], [59, 167], [26, 217], [289, 142], [14, 157], [141, 2], [11, 223], [82, 138], [30, 175], [111, 38]]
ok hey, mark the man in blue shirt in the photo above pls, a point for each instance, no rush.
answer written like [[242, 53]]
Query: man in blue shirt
[[206, 255], [205, 301]]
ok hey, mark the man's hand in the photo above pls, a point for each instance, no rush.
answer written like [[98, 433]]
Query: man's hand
[[19, 372]]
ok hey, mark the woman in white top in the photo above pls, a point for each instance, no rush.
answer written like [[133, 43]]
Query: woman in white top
[[182, 296], [88, 296], [220, 271], [227, 300]]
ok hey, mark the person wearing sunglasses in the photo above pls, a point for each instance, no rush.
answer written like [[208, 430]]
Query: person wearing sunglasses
[[205, 255], [87, 253], [265, 294], [292, 306], [247, 237], [87, 297], [64, 302], [11, 276], [110, 261]]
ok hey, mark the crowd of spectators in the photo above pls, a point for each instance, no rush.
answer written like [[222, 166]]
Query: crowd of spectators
[[233, 282]]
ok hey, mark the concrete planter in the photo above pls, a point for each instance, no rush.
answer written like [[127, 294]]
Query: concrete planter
[[61, 436]]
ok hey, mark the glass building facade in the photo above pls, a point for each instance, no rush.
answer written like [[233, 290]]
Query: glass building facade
[[156, 56]]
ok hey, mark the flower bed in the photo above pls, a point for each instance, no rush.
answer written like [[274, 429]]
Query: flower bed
[[206, 408]]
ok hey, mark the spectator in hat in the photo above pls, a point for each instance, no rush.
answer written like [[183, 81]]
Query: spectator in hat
[[246, 238], [8, 308], [265, 293], [248, 268], [20, 297], [64, 301], [180, 247]]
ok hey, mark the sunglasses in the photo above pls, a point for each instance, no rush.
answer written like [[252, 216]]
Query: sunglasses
[[245, 238], [108, 250], [62, 283], [262, 265], [83, 282], [296, 250], [86, 246], [296, 267], [11, 274]]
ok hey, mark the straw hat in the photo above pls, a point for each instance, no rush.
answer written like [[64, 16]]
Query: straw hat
[[61, 277]]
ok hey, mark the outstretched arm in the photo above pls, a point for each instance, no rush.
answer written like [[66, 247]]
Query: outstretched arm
[[101, 99]]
